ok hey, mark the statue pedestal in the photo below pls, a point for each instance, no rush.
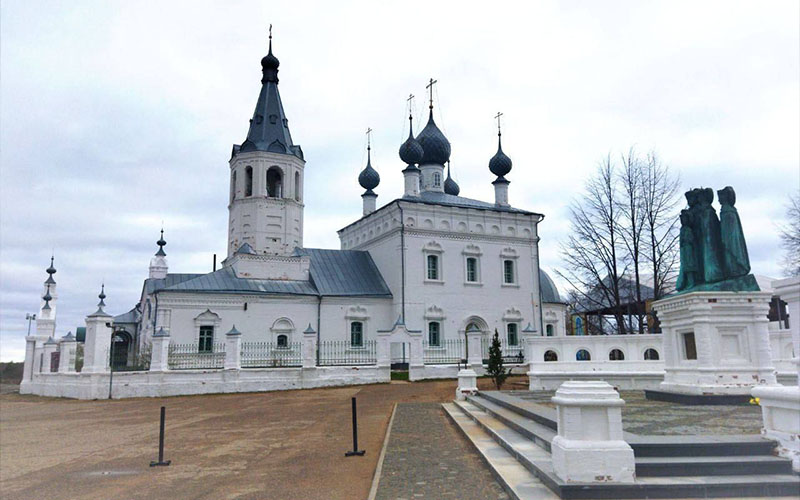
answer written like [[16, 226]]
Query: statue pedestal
[[716, 347]]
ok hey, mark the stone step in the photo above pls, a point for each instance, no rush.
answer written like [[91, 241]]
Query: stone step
[[712, 466], [699, 446], [538, 463], [536, 432], [528, 409], [518, 481]]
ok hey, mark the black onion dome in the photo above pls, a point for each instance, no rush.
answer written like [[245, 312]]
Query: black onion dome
[[411, 151], [369, 178], [51, 270], [269, 66], [161, 243], [451, 186], [500, 164], [435, 146]]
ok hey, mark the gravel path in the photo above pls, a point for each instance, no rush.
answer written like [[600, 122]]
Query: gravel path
[[426, 457]]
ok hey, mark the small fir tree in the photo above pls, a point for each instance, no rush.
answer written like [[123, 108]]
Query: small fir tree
[[496, 370]]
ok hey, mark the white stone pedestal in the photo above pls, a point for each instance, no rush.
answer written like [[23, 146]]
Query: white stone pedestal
[[589, 447], [467, 384], [715, 343], [780, 407]]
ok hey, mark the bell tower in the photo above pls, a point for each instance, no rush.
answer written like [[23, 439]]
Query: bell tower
[[265, 209]]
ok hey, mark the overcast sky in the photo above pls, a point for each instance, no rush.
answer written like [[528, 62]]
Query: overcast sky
[[116, 116]]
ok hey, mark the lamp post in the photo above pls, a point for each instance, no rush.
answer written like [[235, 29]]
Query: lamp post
[[30, 317]]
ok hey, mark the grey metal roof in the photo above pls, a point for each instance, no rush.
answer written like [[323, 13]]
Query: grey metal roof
[[548, 289], [226, 281], [154, 284], [439, 198], [131, 316], [345, 273]]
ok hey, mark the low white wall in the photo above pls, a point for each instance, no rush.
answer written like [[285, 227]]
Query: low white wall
[[598, 346], [623, 380], [186, 382]]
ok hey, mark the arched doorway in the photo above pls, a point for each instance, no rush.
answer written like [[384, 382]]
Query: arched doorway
[[120, 348]]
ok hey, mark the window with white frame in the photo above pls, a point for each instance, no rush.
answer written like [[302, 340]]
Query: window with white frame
[[511, 334], [357, 334], [206, 340], [283, 341], [437, 179], [509, 272], [548, 330], [472, 269], [434, 334], [432, 267]]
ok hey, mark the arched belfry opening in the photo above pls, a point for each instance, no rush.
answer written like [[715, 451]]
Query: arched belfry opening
[[248, 181], [274, 182]]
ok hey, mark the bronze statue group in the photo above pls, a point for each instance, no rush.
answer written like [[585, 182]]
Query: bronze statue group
[[712, 249]]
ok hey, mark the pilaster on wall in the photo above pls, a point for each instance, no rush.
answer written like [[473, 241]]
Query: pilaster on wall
[[159, 360]]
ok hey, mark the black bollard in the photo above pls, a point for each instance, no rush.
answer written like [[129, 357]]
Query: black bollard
[[355, 451], [161, 441]]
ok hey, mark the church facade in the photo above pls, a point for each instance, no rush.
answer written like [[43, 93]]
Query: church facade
[[437, 261]]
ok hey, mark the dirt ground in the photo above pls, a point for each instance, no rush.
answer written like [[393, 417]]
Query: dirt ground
[[281, 445]]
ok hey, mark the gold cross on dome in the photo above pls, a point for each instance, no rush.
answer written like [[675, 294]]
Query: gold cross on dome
[[429, 86]]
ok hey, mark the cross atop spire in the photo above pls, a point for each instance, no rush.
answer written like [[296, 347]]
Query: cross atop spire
[[429, 86], [497, 117], [369, 138]]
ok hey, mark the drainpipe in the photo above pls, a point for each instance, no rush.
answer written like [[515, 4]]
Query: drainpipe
[[319, 315], [402, 264], [541, 309]]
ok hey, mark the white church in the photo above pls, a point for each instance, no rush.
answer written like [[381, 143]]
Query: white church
[[439, 262], [439, 265]]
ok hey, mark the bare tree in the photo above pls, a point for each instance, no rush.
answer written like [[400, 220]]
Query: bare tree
[[633, 212], [660, 202], [790, 237], [625, 221], [592, 250]]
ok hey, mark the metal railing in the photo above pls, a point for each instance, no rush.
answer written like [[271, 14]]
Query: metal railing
[[189, 357], [271, 355], [512, 354], [446, 352], [343, 353]]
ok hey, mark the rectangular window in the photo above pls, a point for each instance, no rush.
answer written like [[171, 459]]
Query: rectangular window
[[472, 269], [433, 267], [357, 334], [433, 334], [689, 346], [437, 179], [512, 334], [206, 343], [508, 272]]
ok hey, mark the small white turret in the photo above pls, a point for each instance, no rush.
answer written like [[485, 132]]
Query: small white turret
[[158, 264]]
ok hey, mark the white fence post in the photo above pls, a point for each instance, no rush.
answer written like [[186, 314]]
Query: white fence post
[[98, 342], [474, 348], [310, 347], [159, 358], [589, 447], [233, 349], [66, 360], [30, 350]]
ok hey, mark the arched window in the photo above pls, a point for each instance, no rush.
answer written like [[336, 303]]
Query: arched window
[[651, 355], [616, 355], [433, 267], [509, 277], [297, 186], [549, 330], [274, 182], [233, 185], [434, 333], [550, 356], [511, 336], [472, 269], [283, 341], [357, 334], [248, 181], [583, 355]]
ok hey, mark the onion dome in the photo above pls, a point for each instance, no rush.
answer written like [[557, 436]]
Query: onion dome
[[369, 178], [451, 186], [411, 151], [51, 271], [47, 297], [269, 64], [102, 296], [500, 164], [161, 243], [435, 146]]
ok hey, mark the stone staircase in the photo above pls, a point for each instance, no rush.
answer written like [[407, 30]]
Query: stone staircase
[[513, 436]]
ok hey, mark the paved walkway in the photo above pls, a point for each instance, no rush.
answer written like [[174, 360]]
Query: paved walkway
[[427, 457]]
